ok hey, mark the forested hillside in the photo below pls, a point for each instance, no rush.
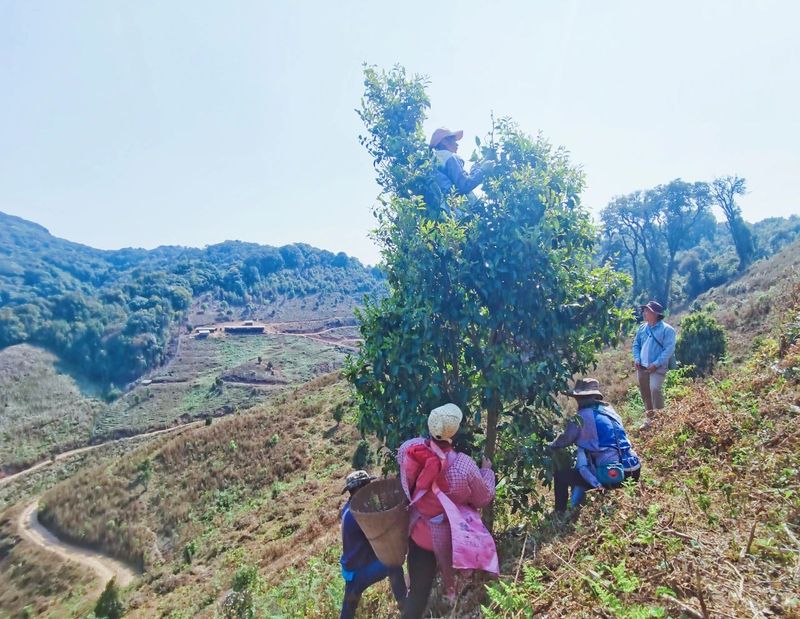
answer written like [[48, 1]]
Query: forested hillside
[[668, 239], [113, 314]]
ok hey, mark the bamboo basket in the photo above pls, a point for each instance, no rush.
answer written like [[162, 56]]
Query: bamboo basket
[[381, 510]]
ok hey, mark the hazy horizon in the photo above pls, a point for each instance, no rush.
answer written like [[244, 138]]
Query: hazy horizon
[[185, 245]]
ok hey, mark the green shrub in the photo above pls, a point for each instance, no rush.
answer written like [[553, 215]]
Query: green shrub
[[701, 342], [112, 393], [338, 413], [240, 603], [189, 551], [362, 456], [109, 605], [144, 472], [315, 590]]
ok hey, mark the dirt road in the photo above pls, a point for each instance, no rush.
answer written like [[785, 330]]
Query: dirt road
[[106, 568], [74, 452]]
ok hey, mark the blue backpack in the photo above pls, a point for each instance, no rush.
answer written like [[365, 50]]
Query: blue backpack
[[611, 434]]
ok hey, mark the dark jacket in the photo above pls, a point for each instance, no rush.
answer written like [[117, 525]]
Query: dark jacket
[[356, 549]]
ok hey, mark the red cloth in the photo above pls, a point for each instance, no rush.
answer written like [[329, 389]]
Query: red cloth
[[467, 486], [422, 469]]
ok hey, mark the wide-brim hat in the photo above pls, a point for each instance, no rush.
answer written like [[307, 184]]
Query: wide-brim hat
[[585, 387], [655, 307], [441, 133], [356, 479]]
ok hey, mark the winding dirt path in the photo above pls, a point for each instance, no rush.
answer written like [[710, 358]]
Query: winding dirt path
[[73, 452], [106, 568]]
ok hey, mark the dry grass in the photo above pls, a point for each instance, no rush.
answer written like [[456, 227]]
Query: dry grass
[[751, 306], [262, 488], [710, 531], [36, 582]]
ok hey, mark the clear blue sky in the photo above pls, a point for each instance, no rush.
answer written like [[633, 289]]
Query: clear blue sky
[[144, 123]]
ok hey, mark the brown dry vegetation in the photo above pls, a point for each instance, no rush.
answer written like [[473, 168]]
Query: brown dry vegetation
[[26, 578], [35, 580], [748, 307], [262, 488], [712, 529], [752, 305]]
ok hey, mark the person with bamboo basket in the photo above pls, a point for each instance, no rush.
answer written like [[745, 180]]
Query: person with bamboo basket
[[446, 489], [361, 568]]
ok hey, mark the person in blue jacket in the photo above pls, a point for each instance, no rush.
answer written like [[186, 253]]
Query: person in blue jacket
[[360, 567], [605, 455], [450, 175], [653, 349]]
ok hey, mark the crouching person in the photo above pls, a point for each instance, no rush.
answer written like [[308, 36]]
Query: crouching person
[[446, 488], [605, 454], [360, 567]]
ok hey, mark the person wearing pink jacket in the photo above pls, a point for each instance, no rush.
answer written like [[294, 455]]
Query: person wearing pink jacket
[[446, 489]]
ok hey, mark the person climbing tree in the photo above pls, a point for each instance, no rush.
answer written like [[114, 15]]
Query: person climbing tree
[[450, 175], [495, 312]]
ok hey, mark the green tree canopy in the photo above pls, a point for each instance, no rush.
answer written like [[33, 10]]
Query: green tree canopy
[[109, 605], [724, 191], [649, 228], [494, 311]]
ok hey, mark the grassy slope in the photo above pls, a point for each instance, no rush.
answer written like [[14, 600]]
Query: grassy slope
[[257, 489], [721, 467], [720, 464], [748, 307], [41, 408], [33, 579], [30, 577], [221, 496]]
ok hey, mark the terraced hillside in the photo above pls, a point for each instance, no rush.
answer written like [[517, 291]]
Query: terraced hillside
[[43, 410], [210, 377]]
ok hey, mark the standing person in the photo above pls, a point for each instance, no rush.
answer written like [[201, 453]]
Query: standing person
[[450, 175], [605, 455], [446, 488], [653, 348], [360, 567]]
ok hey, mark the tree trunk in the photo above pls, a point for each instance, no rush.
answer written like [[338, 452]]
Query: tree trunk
[[492, 417], [668, 280]]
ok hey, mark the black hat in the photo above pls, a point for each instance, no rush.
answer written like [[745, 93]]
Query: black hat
[[655, 307]]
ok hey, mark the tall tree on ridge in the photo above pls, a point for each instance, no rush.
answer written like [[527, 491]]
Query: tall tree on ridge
[[724, 191]]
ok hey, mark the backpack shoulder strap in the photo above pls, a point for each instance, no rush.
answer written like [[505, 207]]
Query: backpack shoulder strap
[[653, 335], [613, 428]]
